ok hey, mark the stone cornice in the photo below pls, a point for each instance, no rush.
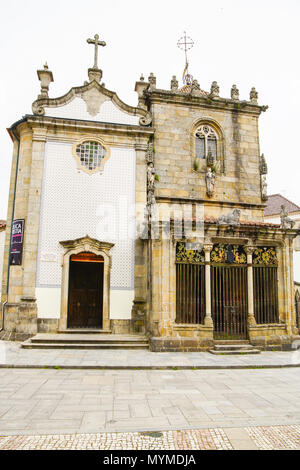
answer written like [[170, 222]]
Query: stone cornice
[[248, 205], [36, 122], [192, 100], [38, 107]]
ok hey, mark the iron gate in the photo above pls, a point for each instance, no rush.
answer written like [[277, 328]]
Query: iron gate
[[265, 285], [190, 285], [229, 301]]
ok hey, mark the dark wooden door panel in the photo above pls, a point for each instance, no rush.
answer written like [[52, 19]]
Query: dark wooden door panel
[[85, 295]]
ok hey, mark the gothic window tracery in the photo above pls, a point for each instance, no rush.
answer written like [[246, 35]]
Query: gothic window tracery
[[206, 142]]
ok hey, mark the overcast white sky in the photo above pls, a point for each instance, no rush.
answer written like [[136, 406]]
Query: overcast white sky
[[246, 42]]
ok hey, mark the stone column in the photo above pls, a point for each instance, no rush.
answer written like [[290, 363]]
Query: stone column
[[138, 317], [251, 318], [208, 318]]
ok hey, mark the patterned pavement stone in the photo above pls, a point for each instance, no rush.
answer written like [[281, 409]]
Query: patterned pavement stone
[[263, 438]]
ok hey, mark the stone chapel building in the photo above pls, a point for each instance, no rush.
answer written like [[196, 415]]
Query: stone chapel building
[[145, 220]]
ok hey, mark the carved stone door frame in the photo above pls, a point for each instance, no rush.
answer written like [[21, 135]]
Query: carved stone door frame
[[74, 247]]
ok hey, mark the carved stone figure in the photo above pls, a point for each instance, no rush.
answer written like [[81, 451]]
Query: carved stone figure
[[195, 86], [151, 177], [253, 95], [263, 167], [174, 83], [286, 222], [152, 81], [264, 188], [235, 94], [230, 219], [149, 154], [210, 182], [214, 89]]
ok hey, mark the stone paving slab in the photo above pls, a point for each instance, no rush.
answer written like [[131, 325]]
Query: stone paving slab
[[251, 438], [12, 355], [93, 401]]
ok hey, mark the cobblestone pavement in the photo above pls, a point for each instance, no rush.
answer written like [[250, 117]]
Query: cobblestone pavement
[[12, 354], [252, 438], [41, 401]]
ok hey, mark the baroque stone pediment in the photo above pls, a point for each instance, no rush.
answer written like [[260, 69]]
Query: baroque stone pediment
[[87, 243], [94, 95]]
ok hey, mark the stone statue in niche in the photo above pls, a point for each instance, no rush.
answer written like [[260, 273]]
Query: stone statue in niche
[[151, 177], [286, 222], [210, 182], [230, 219], [264, 188]]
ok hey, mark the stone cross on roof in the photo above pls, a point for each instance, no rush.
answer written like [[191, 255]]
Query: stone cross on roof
[[97, 43]]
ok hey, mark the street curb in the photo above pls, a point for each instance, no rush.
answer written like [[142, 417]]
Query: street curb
[[68, 367]]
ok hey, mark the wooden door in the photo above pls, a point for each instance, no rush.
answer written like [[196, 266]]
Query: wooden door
[[85, 309]]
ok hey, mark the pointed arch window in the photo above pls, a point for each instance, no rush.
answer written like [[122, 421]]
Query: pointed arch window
[[206, 142]]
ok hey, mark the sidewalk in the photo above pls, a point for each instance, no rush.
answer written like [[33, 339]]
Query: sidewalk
[[12, 355], [251, 438]]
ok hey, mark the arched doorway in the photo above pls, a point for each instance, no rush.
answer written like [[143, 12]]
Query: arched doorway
[[85, 299]]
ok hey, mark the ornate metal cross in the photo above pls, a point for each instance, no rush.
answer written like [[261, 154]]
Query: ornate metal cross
[[185, 43], [97, 43]]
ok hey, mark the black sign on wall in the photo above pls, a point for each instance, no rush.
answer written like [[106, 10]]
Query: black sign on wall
[[17, 237]]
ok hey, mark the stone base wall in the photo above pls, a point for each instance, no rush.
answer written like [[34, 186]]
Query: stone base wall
[[120, 327], [179, 344], [20, 320], [183, 338], [47, 325], [271, 337]]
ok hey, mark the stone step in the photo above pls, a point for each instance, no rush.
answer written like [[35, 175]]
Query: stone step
[[90, 345], [231, 341], [232, 347], [87, 338], [234, 352], [86, 331]]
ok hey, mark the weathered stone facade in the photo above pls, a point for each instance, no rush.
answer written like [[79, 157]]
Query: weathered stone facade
[[211, 181]]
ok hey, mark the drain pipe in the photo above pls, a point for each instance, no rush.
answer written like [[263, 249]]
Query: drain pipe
[[11, 132]]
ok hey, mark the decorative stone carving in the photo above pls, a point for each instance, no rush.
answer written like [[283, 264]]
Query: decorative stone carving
[[151, 177], [152, 81], [95, 73], [174, 83], [195, 87], [210, 182], [94, 100], [230, 219], [286, 222], [264, 188], [38, 107], [235, 94], [46, 77], [263, 167], [150, 154], [253, 95], [214, 89]]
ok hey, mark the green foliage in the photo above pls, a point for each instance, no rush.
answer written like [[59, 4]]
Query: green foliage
[[156, 177], [196, 165]]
